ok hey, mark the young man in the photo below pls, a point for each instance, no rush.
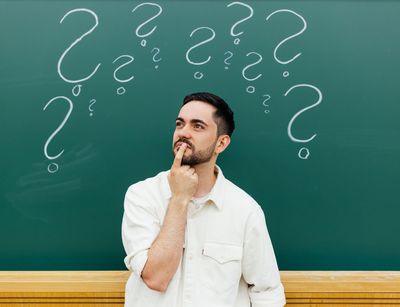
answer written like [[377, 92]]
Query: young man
[[192, 237]]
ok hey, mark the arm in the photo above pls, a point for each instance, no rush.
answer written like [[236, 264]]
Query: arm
[[166, 252], [260, 269]]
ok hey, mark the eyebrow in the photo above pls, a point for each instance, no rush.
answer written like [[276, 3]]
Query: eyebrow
[[193, 121]]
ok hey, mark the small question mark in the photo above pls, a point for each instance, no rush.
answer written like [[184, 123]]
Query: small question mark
[[199, 75], [154, 56], [92, 102], [226, 59], [121, 90], [289, 128], [76, 42], [286, 73], [53, 167], [144, 42], [267, 97], [237, 40], [252, 89]]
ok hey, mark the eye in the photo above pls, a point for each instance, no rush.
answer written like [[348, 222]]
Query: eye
[[178, 124], [198, 126]]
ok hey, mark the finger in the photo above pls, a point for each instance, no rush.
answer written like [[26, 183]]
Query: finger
[[191, 171], [195, 177], [178, 157]]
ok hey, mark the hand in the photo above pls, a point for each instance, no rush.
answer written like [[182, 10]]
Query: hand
[[183, 179]]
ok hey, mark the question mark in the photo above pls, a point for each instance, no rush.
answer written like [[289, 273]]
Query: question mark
[[53, 167], [289, 129], [226, 60], [76, 42], [286, 73], [267, 97], [143, 42], [237, 40], [199, 75], [121, 90], [92, 102], [252, 89], [154, 56]]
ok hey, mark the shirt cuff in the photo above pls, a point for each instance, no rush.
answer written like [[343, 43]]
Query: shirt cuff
[[271, 298], [137, 263]]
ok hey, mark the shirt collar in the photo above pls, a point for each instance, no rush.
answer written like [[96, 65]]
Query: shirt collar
[[216, 193]]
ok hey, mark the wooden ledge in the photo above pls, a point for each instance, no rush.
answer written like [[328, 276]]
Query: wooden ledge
[[63, 281], [338, 288], [341, 281], [305, 288]]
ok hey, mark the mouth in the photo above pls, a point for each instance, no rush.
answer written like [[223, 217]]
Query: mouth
[[179, 144]]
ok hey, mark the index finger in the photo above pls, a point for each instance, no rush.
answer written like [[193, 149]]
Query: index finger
[[178, 157]]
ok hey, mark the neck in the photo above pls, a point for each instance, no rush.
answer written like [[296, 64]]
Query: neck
[[207, 177]]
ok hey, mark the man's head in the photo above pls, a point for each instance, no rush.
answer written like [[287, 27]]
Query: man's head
[[205, 122]]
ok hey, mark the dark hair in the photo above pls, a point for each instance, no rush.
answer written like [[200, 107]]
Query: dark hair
[[223, 116]]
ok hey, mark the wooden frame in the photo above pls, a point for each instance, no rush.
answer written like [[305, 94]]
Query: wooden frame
[[97, 288]]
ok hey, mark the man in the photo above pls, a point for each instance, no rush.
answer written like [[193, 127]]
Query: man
[[192, 237]]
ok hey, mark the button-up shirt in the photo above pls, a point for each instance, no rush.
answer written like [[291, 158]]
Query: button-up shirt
[[228, 259]]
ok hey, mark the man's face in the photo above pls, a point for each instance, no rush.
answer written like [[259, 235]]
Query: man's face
[[196, 127]]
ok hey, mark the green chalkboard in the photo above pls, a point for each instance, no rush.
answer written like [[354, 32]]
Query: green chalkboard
[[89, 95]]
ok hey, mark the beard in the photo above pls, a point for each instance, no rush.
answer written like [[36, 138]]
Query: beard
[[197, 157]]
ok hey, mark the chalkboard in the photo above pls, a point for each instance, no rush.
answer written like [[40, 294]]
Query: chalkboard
[[89, 95]]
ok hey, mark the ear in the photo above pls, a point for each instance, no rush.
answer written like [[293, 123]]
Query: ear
[[222, 143]]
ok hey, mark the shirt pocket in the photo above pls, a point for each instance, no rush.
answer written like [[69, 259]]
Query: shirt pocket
[[223, 253], [222, 262]]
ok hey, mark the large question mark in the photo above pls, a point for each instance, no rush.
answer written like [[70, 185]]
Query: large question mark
[[121, 90], [53, 167], [199, 75], [237, 40], [289, 128], [228, 58], [286, 73], [76, 92], [143, 42], [251, 89]]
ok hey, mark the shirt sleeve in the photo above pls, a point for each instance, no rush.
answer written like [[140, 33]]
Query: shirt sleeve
[[140, 227], [259, 266]]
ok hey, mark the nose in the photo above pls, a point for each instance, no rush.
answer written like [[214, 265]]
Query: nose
[[184, 132]]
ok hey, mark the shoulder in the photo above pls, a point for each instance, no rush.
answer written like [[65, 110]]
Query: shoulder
[[241, 200], [149, 186]]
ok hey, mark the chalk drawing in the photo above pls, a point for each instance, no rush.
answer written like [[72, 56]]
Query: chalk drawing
[[156, 53], [142, 35], [53, 167], [289, 128], [251, 89], [230, 55], [130, 60], [91, 103], [288, 38], [93, 14], [251, 12], [199, 75]]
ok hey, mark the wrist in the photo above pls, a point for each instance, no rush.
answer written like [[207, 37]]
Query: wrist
[[180, 200]]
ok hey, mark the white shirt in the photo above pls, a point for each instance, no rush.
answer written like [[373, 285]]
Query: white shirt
[[228, 259]]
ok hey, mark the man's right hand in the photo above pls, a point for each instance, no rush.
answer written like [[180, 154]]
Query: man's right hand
[[183, 179]]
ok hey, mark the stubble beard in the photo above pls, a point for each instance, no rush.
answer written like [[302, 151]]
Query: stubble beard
[[198, 157]]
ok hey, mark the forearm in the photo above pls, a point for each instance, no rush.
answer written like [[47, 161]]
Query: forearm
[[165, 253]]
